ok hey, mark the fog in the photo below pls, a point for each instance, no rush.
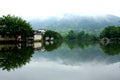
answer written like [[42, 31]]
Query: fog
[[47, 8]]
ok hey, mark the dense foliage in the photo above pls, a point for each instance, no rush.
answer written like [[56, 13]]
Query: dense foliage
[[13, 25], [111, 32], [91, 24], [52, 34], [82, 35]]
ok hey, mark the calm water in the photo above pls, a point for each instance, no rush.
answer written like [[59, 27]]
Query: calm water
[[60, 61]]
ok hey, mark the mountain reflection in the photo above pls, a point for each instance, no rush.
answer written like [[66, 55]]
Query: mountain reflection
[[109, 49], [14, 56], [77, 52]]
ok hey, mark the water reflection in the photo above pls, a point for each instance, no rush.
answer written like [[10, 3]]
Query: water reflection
[[14, 56], [79, 44], [46, 46], [76, 60], [111, 48], [75, 53]]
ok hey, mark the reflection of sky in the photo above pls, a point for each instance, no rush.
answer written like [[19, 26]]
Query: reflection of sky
[[65, 64], [77, 56], [50, 70]]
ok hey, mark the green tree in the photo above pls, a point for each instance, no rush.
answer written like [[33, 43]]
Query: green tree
[[82, 35], [52, 34], [13, 25], [71, 35], [111, 32]]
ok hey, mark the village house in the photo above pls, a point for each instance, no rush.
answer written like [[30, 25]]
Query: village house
[[38, 35], [10, 37]]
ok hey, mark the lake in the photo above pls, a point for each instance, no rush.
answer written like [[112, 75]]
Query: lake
[[69, 60]]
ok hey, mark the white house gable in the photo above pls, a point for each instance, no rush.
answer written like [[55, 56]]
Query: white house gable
[[38, 35]]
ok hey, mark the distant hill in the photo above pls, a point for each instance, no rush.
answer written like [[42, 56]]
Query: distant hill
[[73, 22], [77, 56]]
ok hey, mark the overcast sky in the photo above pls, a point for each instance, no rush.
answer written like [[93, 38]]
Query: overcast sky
[[46, 8]]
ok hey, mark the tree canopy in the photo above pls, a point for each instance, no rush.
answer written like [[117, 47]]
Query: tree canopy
[[52, 34], [82, 35], [111, 32], [14, 25]]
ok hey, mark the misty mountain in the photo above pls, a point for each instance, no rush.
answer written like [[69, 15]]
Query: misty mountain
[[77, 56], [74, 22]]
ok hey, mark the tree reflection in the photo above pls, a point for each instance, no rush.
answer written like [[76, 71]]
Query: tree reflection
[[14, 57], [79, 44], [50, 45], [111, 48]]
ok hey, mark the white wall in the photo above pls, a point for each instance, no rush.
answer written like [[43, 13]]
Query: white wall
[[37, 37]]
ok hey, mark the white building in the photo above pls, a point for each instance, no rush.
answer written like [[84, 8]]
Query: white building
[[38, 35]]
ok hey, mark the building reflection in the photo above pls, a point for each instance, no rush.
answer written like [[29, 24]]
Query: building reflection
[[46, 46], [38, 46], [14, 56]]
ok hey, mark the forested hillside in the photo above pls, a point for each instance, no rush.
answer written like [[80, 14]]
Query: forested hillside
[[73, 22]]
